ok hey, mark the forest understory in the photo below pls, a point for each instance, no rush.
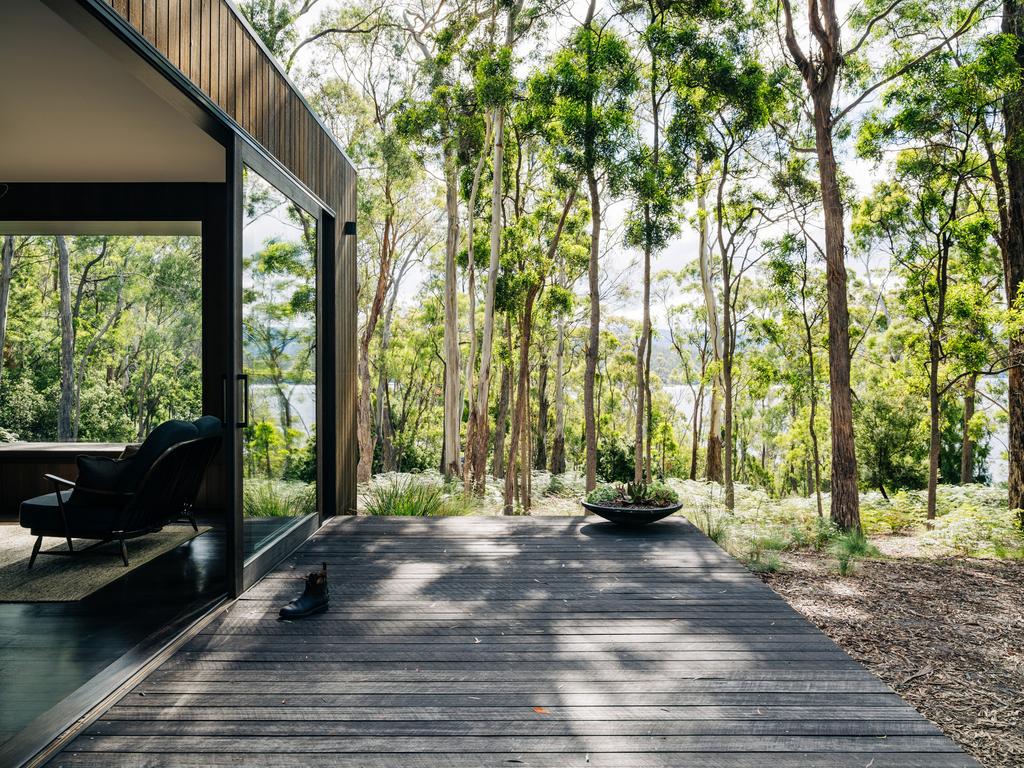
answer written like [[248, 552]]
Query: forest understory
[[946, 634]]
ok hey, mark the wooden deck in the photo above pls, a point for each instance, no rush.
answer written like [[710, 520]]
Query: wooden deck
[[556, 642]]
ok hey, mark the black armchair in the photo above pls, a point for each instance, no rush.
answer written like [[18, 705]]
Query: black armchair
[[116, 500]]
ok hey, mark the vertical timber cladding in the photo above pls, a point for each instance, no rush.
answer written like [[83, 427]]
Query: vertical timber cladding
[[209, 44]]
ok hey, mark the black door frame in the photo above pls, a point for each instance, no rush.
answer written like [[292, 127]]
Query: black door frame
[[245, 572]]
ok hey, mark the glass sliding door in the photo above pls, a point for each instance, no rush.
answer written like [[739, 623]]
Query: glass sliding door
[[280, 244]]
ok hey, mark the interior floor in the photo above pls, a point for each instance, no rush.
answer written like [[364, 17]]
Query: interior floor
[[48, 650]]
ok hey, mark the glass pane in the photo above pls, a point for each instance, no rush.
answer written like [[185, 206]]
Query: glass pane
[[279, 454]]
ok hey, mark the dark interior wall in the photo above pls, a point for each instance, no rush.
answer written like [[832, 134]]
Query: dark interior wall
[[211, 46]]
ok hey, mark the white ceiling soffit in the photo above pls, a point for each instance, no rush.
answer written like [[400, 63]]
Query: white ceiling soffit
[[68, 113]]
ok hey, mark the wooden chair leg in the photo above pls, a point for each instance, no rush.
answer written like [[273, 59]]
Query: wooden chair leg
[[124, 553], [35, 551]]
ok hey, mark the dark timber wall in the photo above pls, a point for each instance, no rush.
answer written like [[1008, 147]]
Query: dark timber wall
[[208, 42]]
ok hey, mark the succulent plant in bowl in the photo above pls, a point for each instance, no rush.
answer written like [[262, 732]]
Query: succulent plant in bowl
[[635, 503]]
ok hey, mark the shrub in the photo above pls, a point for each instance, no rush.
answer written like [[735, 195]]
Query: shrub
[[409, 498], [301, 462], [846, 565], [824, 531], [854, 544], [615, 461], [902, 513], [972, 528], [556, 486], [771, 541]]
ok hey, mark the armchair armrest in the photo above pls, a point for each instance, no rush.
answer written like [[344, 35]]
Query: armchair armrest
[[59, 481]]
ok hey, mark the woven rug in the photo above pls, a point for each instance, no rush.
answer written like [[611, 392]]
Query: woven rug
[[67, 579]]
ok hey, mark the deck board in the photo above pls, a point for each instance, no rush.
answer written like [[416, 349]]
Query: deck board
[[556, 642]]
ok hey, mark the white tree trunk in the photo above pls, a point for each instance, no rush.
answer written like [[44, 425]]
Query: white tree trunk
[[452, 393], [714, 458], [66, 407], [6, 269]]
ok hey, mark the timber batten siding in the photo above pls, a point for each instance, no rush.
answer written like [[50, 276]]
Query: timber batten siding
[[211, 45], [550, 642]]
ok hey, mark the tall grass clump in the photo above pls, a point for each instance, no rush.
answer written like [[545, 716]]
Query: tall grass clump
[[761, 561], [409, 498], [278, 498], [849, 547]]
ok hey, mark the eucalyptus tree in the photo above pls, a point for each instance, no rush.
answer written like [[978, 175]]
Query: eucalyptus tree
[[588, 87], [801, 288], [1013, 120], [535, 246], [496, 85], [934, 221], [445, 118], [826, 65], [690, 336], [379, 81], [656, 186], [7, 253], [724, 98], [88, 310]]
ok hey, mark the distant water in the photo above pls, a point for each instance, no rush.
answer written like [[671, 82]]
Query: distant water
[[265, 404], [997, 467]]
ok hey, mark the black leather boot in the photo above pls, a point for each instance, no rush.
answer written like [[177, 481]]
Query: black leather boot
[[313, 598]]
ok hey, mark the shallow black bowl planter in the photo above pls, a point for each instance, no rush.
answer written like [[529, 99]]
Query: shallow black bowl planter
[[631, 516]]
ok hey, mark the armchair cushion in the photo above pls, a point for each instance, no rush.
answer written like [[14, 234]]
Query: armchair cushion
[[168, 434], [42, 515], [207, 426], [99, 473]]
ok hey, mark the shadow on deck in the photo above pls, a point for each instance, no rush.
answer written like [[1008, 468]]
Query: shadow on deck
[[556, 642]]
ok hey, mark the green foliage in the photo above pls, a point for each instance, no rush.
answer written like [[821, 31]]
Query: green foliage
[[604, 494], [276, 498], [583, 100], [137, 336], [978, 529], [301, 464], [615, 460], [411, 498], [273, 21], [892, 438], [763, 561], [903, 513], [850, 546]]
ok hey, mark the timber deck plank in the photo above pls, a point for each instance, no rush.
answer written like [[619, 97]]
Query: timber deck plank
[[528, 641]]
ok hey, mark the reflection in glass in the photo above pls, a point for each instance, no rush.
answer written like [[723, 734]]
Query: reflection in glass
[[279, 247]]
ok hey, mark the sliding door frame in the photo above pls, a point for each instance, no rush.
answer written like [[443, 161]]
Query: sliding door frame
[[246, 571]]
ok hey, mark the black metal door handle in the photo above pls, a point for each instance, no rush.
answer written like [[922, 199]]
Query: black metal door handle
[[243, 379]]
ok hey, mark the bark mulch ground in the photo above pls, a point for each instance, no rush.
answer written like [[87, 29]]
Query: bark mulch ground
[[947, 635]]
